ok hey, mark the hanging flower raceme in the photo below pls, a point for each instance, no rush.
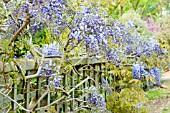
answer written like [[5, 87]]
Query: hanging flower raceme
[[51, 49], [48, 14], [156, 73], [91, 28], [140, 72], [95, 99]]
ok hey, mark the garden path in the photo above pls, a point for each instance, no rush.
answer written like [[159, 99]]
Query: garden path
[[161, 104]]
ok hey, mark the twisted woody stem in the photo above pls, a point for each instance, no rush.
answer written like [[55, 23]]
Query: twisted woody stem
[[27, 20]]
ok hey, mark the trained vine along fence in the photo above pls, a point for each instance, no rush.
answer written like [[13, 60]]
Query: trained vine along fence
[[86, 72]]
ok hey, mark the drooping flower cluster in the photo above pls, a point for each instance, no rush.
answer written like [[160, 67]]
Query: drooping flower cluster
[[51, 50], [91, 28], [128, 42], [101, 35], [156, 73], [95, 99], [139, 72], [48, 14], [57, 81], [111, 38], [105, 85], [49, 70], [136, 71]]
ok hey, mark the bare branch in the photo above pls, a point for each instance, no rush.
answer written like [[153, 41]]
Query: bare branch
[[16, 102], [43, 95], [27, 20], [39, 70]]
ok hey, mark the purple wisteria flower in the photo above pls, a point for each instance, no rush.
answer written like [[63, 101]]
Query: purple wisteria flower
[[51, 50], [48, 13], [156, 73], [138, 106], [140, 72], [96, 99], [90, 27], [136, 71], [57, 81]]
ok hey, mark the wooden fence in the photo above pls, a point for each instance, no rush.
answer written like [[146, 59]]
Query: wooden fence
[[87, 72]]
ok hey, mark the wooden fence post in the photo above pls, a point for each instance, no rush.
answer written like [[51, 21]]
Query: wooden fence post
[[14, 95], [48, 95], [27, 95], [78, 80], [72, 94], [65, 84], [38, 90]]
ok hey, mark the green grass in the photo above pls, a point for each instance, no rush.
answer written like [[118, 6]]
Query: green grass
[[152, 94], [166, 110]]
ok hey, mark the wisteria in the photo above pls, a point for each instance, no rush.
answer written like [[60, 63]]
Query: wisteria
[[42, 13], [51, 49], [57, 81], [91, 28], [156, 73], [48, 70], [139, 72], [96, 99], [74, 45], [136, 71], [97, 32]]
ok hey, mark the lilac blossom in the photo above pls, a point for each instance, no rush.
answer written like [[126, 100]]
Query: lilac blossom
[[152, 26]]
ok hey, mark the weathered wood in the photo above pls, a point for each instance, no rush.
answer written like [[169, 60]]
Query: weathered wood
[[38, 90], [84, 84], [31, 64], [25, 64], [78, 81], [48, 95], [70, 81], [72, 94], [65, 104], [14, 96], [27, 94], [96, 75], [18, 97]]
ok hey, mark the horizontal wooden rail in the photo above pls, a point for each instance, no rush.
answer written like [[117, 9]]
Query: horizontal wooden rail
[[31, 64]]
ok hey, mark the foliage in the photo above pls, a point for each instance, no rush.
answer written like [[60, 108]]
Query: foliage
[[67, 29], [128, 100], [127, 95], [163, 35], [140, 24]]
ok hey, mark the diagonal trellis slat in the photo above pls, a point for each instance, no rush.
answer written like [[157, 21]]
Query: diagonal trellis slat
[[86, 69]]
